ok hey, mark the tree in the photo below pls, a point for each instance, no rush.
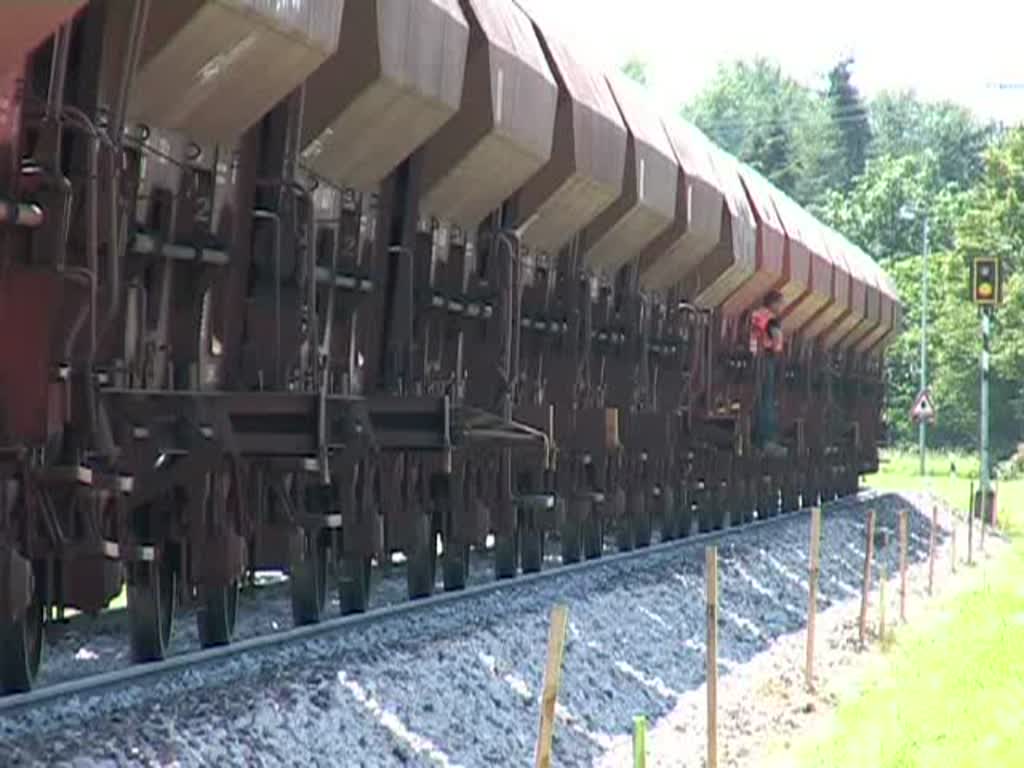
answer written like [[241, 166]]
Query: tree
[[636, 69], [869, 213], [772, 122], [850, 119], [904, 125]]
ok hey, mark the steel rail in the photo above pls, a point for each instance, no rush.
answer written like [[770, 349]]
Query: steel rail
[[136, 674]]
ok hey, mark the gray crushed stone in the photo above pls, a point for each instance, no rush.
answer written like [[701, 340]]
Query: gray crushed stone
[[459, 684]]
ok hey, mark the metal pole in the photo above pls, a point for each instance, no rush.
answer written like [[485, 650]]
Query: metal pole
[[924, 344], [986, 330]]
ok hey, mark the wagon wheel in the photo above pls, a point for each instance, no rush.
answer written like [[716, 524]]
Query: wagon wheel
[[684, 510], [506, 555], [531, 544], [309, 583], [593, 534], [308, 572], [506, 542], [152, 588], [707, 507], [216, 616], [571, 533], [623, 525], [455, 566], [21, 641], [669, 513], [455, 560], [421, 569], [354, 584]]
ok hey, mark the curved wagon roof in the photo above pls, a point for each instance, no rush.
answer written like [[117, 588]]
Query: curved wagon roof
[[585, 172], [650, 186], [395, 80], [503, 131]]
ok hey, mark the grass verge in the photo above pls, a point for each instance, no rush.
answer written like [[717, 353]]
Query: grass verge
[[952, 692]]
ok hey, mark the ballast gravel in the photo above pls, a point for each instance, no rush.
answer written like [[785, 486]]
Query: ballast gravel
[[459, 684]]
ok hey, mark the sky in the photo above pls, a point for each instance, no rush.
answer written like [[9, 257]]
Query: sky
[[937, 48]]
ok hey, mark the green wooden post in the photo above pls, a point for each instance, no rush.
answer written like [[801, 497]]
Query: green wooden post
[[639, 741]]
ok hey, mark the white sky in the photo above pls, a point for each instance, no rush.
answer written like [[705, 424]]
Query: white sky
[[942, 49]]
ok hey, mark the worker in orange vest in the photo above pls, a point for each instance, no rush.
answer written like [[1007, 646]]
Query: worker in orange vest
[[766, 345]]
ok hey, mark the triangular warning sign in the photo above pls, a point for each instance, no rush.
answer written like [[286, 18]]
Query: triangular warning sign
[[923, 409]]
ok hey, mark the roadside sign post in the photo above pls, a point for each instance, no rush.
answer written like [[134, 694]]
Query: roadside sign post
[[921, 412]]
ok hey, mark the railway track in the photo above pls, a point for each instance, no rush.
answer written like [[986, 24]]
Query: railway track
[[140, 674]]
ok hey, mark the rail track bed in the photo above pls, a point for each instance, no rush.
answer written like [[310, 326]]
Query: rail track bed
[[453, 680]]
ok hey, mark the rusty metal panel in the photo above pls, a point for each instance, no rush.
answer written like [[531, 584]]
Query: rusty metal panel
[[894, 327], [700, 203], [647, 204], [839, 302], [395, 80], [770, 246], [734, 260], [28, 299], [10, 129], [503, 131], [588, 157], [796, 255], [865, 296], [857, 304], [212, 68], [805, 236], [890, 316], [25, 24]]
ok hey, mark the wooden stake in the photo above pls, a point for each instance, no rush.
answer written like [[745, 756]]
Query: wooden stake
[[552, 679], [970, 529], [869, 549], [639, 741], [711, 578], [903, 565], [953, 542], [812, 589], [931, 551], [882, 578], [983, 511]]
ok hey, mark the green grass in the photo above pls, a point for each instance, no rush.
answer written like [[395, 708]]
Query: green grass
[[951, 694], [900, 471]]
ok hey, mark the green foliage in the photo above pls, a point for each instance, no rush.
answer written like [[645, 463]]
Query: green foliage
[[903, 125], [636, 69], [772, 122], [850, 118]]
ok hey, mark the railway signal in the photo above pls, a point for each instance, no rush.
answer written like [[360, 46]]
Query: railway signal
[[986, 293], [985, 288]]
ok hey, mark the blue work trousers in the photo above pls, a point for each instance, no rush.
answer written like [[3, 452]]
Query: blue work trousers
[[767, 408]]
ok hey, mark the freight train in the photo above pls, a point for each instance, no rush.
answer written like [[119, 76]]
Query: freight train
[[303, 284]]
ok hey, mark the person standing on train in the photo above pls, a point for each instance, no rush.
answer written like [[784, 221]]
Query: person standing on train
[[766, 345]]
